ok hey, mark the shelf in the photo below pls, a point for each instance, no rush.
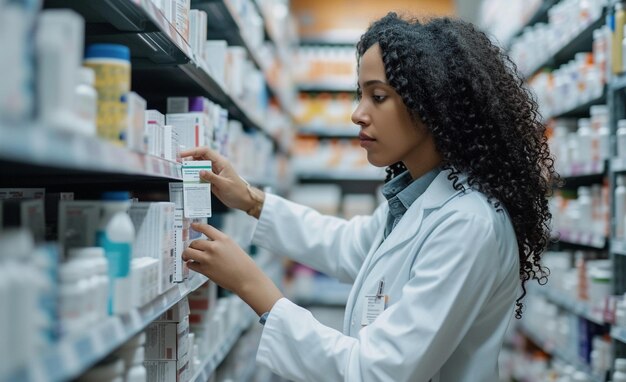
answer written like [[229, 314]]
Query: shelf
[[161, 58], [338, 131], [579, 43], [339, 175], [591, 169], [618, 333], [581, 110], [618, 247], [224, 23], [587, 239], [40, 146], [73, 356], [562, 354], [573, 305], [208, 367], [327, 86]]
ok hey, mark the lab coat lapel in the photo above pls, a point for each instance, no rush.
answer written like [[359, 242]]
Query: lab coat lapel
[[437, 194]]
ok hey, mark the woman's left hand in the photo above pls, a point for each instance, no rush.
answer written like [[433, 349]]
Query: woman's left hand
[[226, 264]]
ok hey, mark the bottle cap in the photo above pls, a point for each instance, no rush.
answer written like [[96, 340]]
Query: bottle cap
[[116, 196], [108, 51]]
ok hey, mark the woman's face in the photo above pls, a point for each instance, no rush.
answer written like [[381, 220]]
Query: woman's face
[[388, 133]]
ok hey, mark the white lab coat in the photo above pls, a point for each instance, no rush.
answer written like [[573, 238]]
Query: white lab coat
[[451, 272]]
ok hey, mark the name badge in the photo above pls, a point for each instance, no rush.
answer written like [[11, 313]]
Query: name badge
[[374, 305]]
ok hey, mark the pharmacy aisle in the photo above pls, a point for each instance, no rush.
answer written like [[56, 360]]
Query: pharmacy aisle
[[97, 100], [570, 53]]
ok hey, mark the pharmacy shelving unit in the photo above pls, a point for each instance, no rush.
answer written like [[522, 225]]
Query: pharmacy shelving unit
[[224, 23], [574, 177], [540, 16], [33, 155], [72, 356], [162, 61], [580, 43]]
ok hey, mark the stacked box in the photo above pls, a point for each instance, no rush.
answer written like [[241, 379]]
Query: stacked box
[[168, 347]]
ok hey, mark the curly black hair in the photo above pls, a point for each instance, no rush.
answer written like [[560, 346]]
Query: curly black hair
[[485, 123]]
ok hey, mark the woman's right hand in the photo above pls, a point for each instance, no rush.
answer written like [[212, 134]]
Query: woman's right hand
[[226, 184]]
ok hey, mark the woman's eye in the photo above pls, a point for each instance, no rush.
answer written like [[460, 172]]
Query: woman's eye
[[379, 98]]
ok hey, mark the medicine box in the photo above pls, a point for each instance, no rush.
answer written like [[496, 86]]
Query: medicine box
[[192, 128], [177, 313], [167, 340]]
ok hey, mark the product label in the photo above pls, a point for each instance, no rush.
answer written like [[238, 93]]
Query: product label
[[119, 256], [196, 193]]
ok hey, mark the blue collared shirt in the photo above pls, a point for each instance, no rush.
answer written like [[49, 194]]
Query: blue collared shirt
[[401, 192]]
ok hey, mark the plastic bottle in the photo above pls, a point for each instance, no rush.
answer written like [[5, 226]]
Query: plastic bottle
[[111, 63], [620, 204], [71, 298], [86, 104], [618, 36], [115, 235], [97, 261]]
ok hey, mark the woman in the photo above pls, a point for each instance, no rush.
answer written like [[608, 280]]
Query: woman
[[437, 269]]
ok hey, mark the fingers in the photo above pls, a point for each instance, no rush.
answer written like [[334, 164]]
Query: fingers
[[210, 231], [202, 245], [211, 177], [193, 254]]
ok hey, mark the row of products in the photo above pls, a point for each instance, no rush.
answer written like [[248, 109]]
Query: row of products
[[582, 277], [326, 64], [584, 213], [325, 110], [311, 154], [504, 20], [534, 365], [577, 144], [574, 336], [573, 84], [174, 346], [112, 256], [126, 364], [92, 94], [566, 20]]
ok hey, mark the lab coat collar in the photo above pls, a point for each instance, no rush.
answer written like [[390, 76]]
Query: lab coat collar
[[436, 195], [441, 190]]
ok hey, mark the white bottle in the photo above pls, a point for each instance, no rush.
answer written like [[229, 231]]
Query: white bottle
[[59, 40], [619, 375], [86, 101], [98, 274], [115, 235], [621, 138], [584, 208], [71, 299], [584, 140], [620, 204]]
